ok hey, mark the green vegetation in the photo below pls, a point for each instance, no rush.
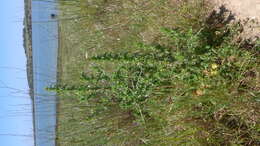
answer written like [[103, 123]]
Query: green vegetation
[[158, 72]]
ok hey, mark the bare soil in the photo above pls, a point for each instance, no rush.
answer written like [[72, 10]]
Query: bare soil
[[248, 11], [243, 9]]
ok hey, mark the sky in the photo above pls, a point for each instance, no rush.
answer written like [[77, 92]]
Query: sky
[[15, 104]]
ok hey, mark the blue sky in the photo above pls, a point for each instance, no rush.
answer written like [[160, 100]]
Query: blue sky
[[15, 104]]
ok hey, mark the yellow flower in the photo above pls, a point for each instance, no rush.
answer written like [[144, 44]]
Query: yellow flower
[[213, 73], [214, 66]]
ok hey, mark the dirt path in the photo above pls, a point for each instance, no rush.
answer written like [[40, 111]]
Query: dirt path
[[246, 10]]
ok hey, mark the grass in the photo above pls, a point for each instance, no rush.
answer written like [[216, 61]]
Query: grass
[[159, 72]]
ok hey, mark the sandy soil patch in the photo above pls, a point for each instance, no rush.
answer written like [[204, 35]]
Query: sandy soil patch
[[243, 8], [246, 10]]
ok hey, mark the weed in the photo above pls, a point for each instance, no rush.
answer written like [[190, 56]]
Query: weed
[[182, 88]]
